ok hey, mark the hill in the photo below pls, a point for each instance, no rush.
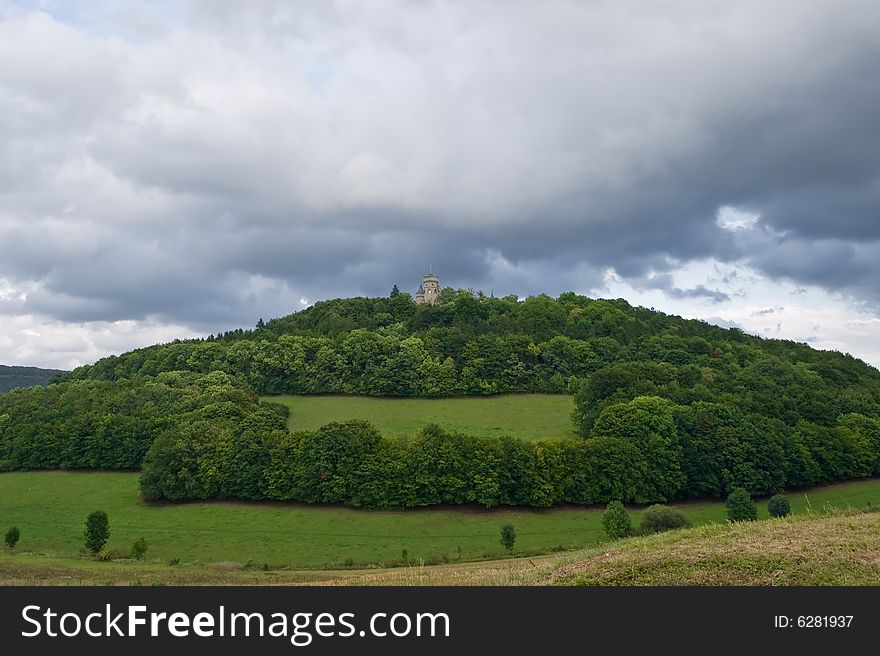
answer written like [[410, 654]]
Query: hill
[[668, 408], [13, 377], [473, 345]]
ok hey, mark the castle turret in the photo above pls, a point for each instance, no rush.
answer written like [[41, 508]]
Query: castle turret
[[429, 290]]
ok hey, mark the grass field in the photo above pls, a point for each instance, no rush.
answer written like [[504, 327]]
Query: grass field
[[526, 416], [218, 538], [819, 549]]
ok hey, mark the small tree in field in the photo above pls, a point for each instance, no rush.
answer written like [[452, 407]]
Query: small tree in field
[[97, 531], [13, 535], [508, 536], [778, 506], [616, 521], [740, 507], [139, 548]]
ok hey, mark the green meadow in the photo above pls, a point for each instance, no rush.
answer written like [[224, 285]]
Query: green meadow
[[526, 416], [50, 509]]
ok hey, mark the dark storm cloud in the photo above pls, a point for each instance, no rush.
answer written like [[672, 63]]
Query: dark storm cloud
[[223, 160]]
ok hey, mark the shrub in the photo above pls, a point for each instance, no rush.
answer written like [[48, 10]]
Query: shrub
[[139, 548], [740, 507], [778, 506], [13, 535], [108, 554], [97, 531], [508, 536], [616, 521], [659, 518]]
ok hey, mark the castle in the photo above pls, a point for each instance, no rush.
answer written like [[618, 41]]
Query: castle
[[429, 290]]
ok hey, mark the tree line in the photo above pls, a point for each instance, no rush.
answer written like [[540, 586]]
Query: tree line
[[646, 450], [201, 436], [93, 424]]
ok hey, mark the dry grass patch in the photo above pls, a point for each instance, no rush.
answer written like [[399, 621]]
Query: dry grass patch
[[813, 550]]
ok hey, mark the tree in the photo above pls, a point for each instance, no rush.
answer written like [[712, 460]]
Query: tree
[[508, 536], [740, 507], [395, 292], [13, 535], [648, 424], [778, 506], [139, 548], [616, 521], [97, 531], [659, 518]]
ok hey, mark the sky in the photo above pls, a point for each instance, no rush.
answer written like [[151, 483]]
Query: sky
[[174, 169]]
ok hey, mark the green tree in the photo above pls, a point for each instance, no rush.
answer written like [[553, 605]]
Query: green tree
[[508, 536], [13, 535], [740, 507], [659, 518], [97, 531], [616, 521], [139, 548], [648, 424], [778, 506]]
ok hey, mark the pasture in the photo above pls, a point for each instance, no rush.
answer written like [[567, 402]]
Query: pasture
[[525, 416], [50, 508]]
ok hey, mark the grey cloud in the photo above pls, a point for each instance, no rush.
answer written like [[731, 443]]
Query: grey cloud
[[724, 323], [225, 159], [700, 291], [766, 311], [665, 283]]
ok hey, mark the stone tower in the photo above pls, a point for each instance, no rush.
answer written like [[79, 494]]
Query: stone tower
[[429, 290]]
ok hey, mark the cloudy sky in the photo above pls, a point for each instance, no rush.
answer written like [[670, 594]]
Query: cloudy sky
[[170, 169]]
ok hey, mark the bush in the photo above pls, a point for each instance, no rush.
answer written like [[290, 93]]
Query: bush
[[740, 507], [778, 506], [13, 535], [139, 548], [97, 531], [616, 521], [508, 536], [107, 554], [659, 518]]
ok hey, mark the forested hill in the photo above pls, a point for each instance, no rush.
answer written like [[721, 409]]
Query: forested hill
[[606, 350], [669, 408], [13, 377]]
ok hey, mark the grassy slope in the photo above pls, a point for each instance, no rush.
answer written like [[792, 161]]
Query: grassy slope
[[833, 549], [50, 508], [527, 416]]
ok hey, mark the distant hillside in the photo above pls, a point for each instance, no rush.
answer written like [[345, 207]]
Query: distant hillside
[[12, 377]]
